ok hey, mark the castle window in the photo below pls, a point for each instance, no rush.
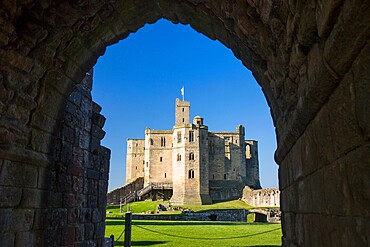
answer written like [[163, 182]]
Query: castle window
[[191, 156], [178, 157], [163, 141], [191, 173], [151, 141], [135, 167], [225, 176], [136, 144], [135, 155], [213, 176], [160, 159], [191, 136], [147, 164], [179, 136], [183, 109], [183, 119], [248, 154]]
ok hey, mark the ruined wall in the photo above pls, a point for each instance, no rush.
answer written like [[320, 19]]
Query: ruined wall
[[269, 197], [135, 159], [80, 176], [252, 164], [114, 196], [67, 196]]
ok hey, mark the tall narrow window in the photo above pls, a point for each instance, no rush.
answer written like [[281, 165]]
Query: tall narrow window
[[160, 159], [163, 141], [191, 173], [191, 156], [183, 119], [183, 109], [151, 141], [165, 175], [191, 136], [225, 176], [178, 157], [178, 136]]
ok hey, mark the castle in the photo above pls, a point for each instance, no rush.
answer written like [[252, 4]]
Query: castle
[[200, 166]]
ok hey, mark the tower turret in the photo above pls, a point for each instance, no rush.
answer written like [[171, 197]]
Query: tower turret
[[182, 112]]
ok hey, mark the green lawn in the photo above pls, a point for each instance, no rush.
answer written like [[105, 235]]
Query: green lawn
[[196, 233]]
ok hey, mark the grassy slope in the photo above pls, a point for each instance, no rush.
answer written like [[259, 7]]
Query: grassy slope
[[139, 207], [190, 233]]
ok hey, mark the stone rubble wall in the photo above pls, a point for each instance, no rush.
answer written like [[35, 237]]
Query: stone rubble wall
[[113, 197], [269, 197], [238, 215], [81, 173]]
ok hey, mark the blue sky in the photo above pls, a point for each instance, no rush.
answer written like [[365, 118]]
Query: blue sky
[[137, 81]]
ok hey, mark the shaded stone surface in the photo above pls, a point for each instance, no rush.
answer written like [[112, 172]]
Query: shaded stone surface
[[311, 59]]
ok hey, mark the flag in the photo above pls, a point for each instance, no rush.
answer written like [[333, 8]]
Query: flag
[[182, 91]]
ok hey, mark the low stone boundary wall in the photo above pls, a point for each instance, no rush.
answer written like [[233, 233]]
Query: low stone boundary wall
[[238, 215]]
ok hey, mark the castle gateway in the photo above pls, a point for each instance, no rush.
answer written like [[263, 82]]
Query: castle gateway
[[200, 166]]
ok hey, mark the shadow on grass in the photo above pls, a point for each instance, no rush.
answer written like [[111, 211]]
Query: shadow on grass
[[207, 238], [193, 223], [117, 222], [140, 243]]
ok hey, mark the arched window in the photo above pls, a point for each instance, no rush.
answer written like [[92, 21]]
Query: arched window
[[178, 157], [191, 173], [151, 141], [191, 136], [248, 154], [191, 156]]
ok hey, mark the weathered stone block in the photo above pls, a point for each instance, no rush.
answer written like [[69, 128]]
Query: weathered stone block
[[357, 170], [361, 75], [11, 196], [34, 198], [326, 15], [41, 220], [7, 239], [27, 239], [5, 220], [345, 42], [89, 231], [22, 219]]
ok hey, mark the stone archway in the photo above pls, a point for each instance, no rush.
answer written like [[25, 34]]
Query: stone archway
[[311, 58]]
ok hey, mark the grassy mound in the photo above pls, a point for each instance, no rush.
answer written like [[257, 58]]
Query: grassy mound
[[145, 206]]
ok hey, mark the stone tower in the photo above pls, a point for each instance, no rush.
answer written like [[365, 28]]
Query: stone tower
[[190, 164]]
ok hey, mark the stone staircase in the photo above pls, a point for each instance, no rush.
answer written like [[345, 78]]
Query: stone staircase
[[136, 195]]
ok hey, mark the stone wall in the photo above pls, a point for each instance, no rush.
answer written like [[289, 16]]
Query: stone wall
[[239, 215], [113, 197], [269, 197], [80, 177], [66, 196]]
